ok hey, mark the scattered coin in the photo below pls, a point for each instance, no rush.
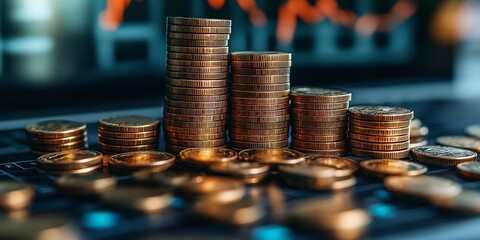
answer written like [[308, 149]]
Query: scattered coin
[[249, 172], [214, 189], [272, 156], [428, 187], [443, 156], [466, 202], [204, 157], [151, 160], [143, 199], [15, 195], [86, 184], [69, 161], [469, 170], [386, 167], [469, 143]]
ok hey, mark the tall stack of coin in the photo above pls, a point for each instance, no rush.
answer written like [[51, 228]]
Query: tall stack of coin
[[128, 133], [197, 75], [319, 123], [380, 131], [56, 136], [259, 114]]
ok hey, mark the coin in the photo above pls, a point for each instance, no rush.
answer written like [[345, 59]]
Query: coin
[[250, 145], [241, 169], [259, 94], [193, 36], [381, 113], [195, 105], [197, 43], [15, 195], [198, 29], [258, 101], [318, 138], [59, 147], [210, 124], [128, 123], [237, 213], [378, 139], [193, 118], [261, 64], [250, 119], [199, 143], [319, 131], [379, 146], [120, 149], [443, 156], [188, 111], [260, 79], [320, 106], [175, 68], [386, 167], [214, 189], [176, 149], [380, 131], [207, 156], [195, 137], [196, 91], [473, 131], [197, 83], [374, 124], [197, 57], [69, 171], [311, 176], [92, 183], [183, 130], [465, 202], [69, 160], [469, 170], [272, 156], [138, 198], [259, 138], [319, 95], [398, 154], [197, 63], [198, 76], [329, 153], [56, 129], [199, 21], [127, 135], [416, 142], [428, 187], [344, 167], [459, 142], [261, 56], [260, 71], [299, 113], [261, 87], [419, 132], [170, 179], [307, 124], [58, 141], [259, 125], [242, 131], [197, 50], [129, 142], [318, 145], [317, 119], [152, 160], [41, 227], [260, 113]]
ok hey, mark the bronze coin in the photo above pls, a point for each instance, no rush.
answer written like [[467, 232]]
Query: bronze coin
[[259, 94], [327, 153], [186, 63], [258, 101], [197, 43], [256, 125], [187, 111], [197, 57], [197, 50], [432, 188], [378, 139], [302, 124], [385, 167], [260, 71], [193, 36], [69, 160], [242, 131], [198, 76], [379, 146], [195, 137], [469, 170], [272, 156], [196, 91], [373, 124], [131, 148], [312, 113], [443, 156], [152, 160], [280, 118], [259, 138], [197, 98], [261, 56], [203, 22], [198, 29], [175, 68], [56, 129], [59, 147], [380, 131], [318, 145], [193, 118], [318, 138], [261, 87], [319, 131], [319, 95], [268, 107], [200, 143], [320, 106], [211, 124], [128, 123], [195, 105], [129, 142], [197, 83], [381, 113], [54, 141], [250, 145], [127, 135], [260, 79], [318, 119], [178, 149], [183, 130], [399, 154], [460, 142], [207, 156], [261, 64], [260, 113]]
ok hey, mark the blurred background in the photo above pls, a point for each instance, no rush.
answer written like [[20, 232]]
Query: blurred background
[[76, 55]]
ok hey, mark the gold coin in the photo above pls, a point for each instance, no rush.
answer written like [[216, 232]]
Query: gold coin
[[260, 79], [55, 141], [460, 142], [70, 160], [257, 101], [58, 147], [193, 118], [318, 145], [197, 98], [260, 71], [15, 195], [193, 36], [151, 160], [319, 95], [121, 149], [197, 50], [127, 135], [195, 105], [320, 106], [270, 119], [183, 130], [214, 189], [379, 146], [261, 64], [128, 123], [398, 154], [380, 131], [428, 187], [197, 144], [198, 76], [92, 183], [299, 113], [271, 156], [344, 166], [256, 125], [196, 91], [443, 156], [242, 131], [210, 124], [317, 119], [465, 202], [237, 213], [318, 138], [381, 113], [195, 137], [260, 113], [169, 179], [259, 138], [250, 145], [386, 167], [379, 139], [373, 124], [259, 94], [197, 83], [261, 56], [197, 57], [268, 107], [201, 111], [189, 69], [128, 142], [138, 198], [197, 43], [198, 29], [419, 132], [199, 21], [56, 129], [207, 156], [70, 171], [197, 63], [319, 131], [473, 131], [310, 125], [40, 227], [469, 170], [261, 87], [326, 153], [241, 169]]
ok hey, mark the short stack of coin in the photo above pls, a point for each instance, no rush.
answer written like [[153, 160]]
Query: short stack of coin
[[128, 133], [259, 114], [56, 136], [380, 131], [197, 75], [319, 120]]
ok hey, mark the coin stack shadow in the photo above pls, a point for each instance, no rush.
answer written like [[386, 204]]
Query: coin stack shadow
[[259, 114], [56, 136], [380, 131], [319, 120], [195, 110], [128, 133]]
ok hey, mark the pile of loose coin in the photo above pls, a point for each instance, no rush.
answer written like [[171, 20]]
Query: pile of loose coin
[[128, 133], [259, 114], [70, 162], [195, 110], [319, 123], [380, 131], [56, 136]]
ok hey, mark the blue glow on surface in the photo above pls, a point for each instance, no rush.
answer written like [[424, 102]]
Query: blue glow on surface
[[381, 210], [100, 220], [177, 202], [383, 194], [268, 232]]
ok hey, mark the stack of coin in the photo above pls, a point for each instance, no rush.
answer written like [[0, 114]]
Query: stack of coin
[[56, 136], [418, 132], [319, 120], [197, 75], [380, 131], [259, 111], [69, 162], [128, 133]]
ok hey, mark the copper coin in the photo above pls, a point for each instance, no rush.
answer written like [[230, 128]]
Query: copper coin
[[198, 29], [319, 131], [259, 94], [318, 138], [260, 79], [201, 111], [131, 148], [207, 156], [129, 142], [198, 76], [381, 113], [197, 50], [328, 153], [261, 56], [428, 187], [54, 141], [197, 57], [197, 43], [379, 146], [261, 64], [280, 118], [193, 118], [318, 145], [128, 123], [260, 71], [175, 68], [320, 106], [302, 124], [469, 170], [378, 139], [126, 135], [261, 87], [399, 154], [319, 95], [380, 131], [268, 107], [373, 124], [242, 131], [153, 160], [386, 167], [193, 36], [197, 98], [318, 119], [70, 171], [183, 130], [197, 83], [177, 149], [260, 113], [443, 156], [56, 129], [250, 145], [68, 160], [259, 138], [200, 143], [272, 156], [256, 125], [258, 101], [197, 63], [59, 147], [310, 113], [460, 142], [195, 105], [240, 169], [195, 137], [199, 21], [211, 124], [213, 189]]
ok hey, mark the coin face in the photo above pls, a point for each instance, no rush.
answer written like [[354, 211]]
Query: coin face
[[385, 167], [56, 128], [240, 168], [70, 159], [431, 188], [344, 166], [310, 94], [381, 113], [460, 142], [441, 155], [469, 169], [129, 123], [272, 156], [142, 159], [473, 130], [207, 156]]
